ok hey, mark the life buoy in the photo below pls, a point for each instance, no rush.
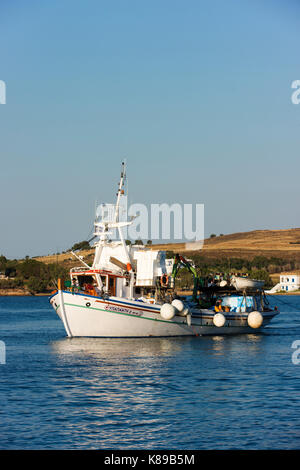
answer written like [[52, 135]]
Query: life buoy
[[164, 280]]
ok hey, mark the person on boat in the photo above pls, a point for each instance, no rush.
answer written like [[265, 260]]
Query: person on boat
[[218, 306], [74, 287], [88, 288]]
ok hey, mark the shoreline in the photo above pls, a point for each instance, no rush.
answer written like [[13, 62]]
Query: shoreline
[[21, 293], [25, 293]]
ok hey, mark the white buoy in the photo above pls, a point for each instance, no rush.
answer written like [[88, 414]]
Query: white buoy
[[167, 311], [189, 319], [255, 319], [185, 312], [219, 320], [178, 304]]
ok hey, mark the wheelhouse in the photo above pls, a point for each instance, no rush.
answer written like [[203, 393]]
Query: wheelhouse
[[96, 282]]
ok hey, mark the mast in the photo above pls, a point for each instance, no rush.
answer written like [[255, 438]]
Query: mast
[[120, 192], [102, 231], [117, 215]]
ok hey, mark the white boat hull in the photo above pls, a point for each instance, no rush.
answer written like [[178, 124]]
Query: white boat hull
[[241, 283], [89, 316]]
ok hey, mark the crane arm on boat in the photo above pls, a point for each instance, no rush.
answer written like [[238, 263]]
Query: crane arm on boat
[[179, 261]]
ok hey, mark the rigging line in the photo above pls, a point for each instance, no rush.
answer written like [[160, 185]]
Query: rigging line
[[89, 235], [91, 232]]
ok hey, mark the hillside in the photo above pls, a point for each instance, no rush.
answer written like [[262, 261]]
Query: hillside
[[264, 240], [284, 244], [67, 259], [263, 254]]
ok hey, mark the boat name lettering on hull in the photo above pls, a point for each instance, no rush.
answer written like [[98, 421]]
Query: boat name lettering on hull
[[122, 310]]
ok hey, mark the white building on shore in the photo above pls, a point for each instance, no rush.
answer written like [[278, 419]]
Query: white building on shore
[[289, 281]]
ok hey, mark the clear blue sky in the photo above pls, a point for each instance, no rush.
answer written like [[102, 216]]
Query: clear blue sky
[[195, 94]]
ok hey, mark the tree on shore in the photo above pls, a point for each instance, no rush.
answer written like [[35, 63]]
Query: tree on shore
[[36, 285], [84, 245]]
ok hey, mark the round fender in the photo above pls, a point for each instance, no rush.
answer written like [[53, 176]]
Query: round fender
[[178, 304], [167, 311], [255, 319], [219, 320]]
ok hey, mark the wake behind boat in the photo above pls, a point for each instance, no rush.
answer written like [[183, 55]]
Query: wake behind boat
[[129, 291]]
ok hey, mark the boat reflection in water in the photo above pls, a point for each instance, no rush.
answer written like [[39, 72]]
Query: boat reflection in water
[[114, 348], [116, 381], [128, 393], [121, 351]]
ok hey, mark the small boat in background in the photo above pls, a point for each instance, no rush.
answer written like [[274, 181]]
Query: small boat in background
[[246, 283]]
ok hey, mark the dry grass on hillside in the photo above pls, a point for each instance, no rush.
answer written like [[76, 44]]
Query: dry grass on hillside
[[279, 243]]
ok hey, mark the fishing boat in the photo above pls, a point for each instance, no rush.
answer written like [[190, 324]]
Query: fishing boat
[[130, 291]]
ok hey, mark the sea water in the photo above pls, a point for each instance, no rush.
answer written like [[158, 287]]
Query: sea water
[[219, 392]]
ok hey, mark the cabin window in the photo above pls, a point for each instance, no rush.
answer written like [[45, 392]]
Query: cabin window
[[111, 285], [82, 280], [293, 280]]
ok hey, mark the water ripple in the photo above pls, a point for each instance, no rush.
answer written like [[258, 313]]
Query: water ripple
[[239, 392]]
